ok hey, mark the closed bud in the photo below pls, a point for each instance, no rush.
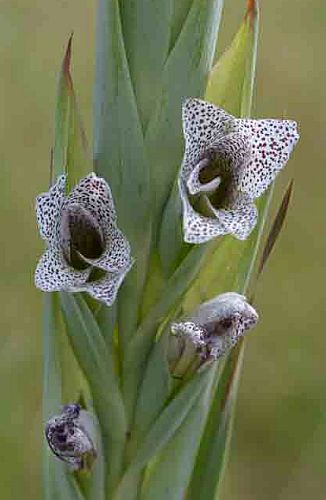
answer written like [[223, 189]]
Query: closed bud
[[70, 436], [217, 325]]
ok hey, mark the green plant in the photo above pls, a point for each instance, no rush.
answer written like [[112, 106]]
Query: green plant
[[155, 373]]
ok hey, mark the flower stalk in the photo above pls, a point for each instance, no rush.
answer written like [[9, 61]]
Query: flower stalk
[[146, 285]]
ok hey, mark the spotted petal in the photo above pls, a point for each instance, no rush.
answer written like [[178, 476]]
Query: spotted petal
[[94, 194], [53, 273], [48, 209], [117, 252], [240, 218], [190, 330], [106, 288], [272, 142], [203, 124], [218, 324], [196, 227]]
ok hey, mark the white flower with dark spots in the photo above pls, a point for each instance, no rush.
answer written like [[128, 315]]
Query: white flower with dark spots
[[86, 250], [217, 325], [228, 162], [70, 436]]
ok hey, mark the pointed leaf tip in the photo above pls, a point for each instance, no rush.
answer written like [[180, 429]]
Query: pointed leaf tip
[[234, 359], [276, 227], [66, 63], [252, 10]]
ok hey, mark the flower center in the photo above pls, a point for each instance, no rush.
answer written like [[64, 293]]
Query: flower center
[[216, 167], [219, 194], [81, 236], [210, 170]]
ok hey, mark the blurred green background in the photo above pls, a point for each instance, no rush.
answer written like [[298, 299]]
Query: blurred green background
[[278, 448]]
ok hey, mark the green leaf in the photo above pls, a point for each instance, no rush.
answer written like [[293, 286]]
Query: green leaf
[[93, 482], [212, 453], [70, 152], [153, 394], [58, 482], [120, 155], [167, 423], [65, 485], [276, 227], [106, 320], [171, 241], [146, 30], [52, 376], [181, 10], [185, 74], [231, 81], [139, 347], [154, 391], [249, 256], [176, 461], [96, 361]]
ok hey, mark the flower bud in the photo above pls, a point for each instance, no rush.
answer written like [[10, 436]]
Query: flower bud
[[217, 325], [70, 436]]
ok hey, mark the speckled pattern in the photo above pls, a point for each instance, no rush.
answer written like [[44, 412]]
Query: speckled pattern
[[218, 325], [272, 142], [90, 207], [245, 154], [68, 439]]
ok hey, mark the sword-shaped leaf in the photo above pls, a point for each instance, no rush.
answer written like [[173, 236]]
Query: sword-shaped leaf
[[70, 153], [163, 429], [120, 154], [96, 362], [169, 474], [211, 458], [276, 228]]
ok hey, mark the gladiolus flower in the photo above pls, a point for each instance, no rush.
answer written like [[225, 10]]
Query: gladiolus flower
[[86, 250], [228, 162]]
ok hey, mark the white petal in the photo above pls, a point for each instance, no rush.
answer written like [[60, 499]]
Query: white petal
[[223, 306], [106, 288], [48, 208], [196, 227], [240, 219], [225, 319], [53, 273], [94, 194], [272, 142], [203, 124], [189, 329], [117, 253]]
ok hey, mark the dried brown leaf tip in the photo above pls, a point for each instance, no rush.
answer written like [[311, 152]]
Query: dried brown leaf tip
[[252, 10], [66, 65]]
